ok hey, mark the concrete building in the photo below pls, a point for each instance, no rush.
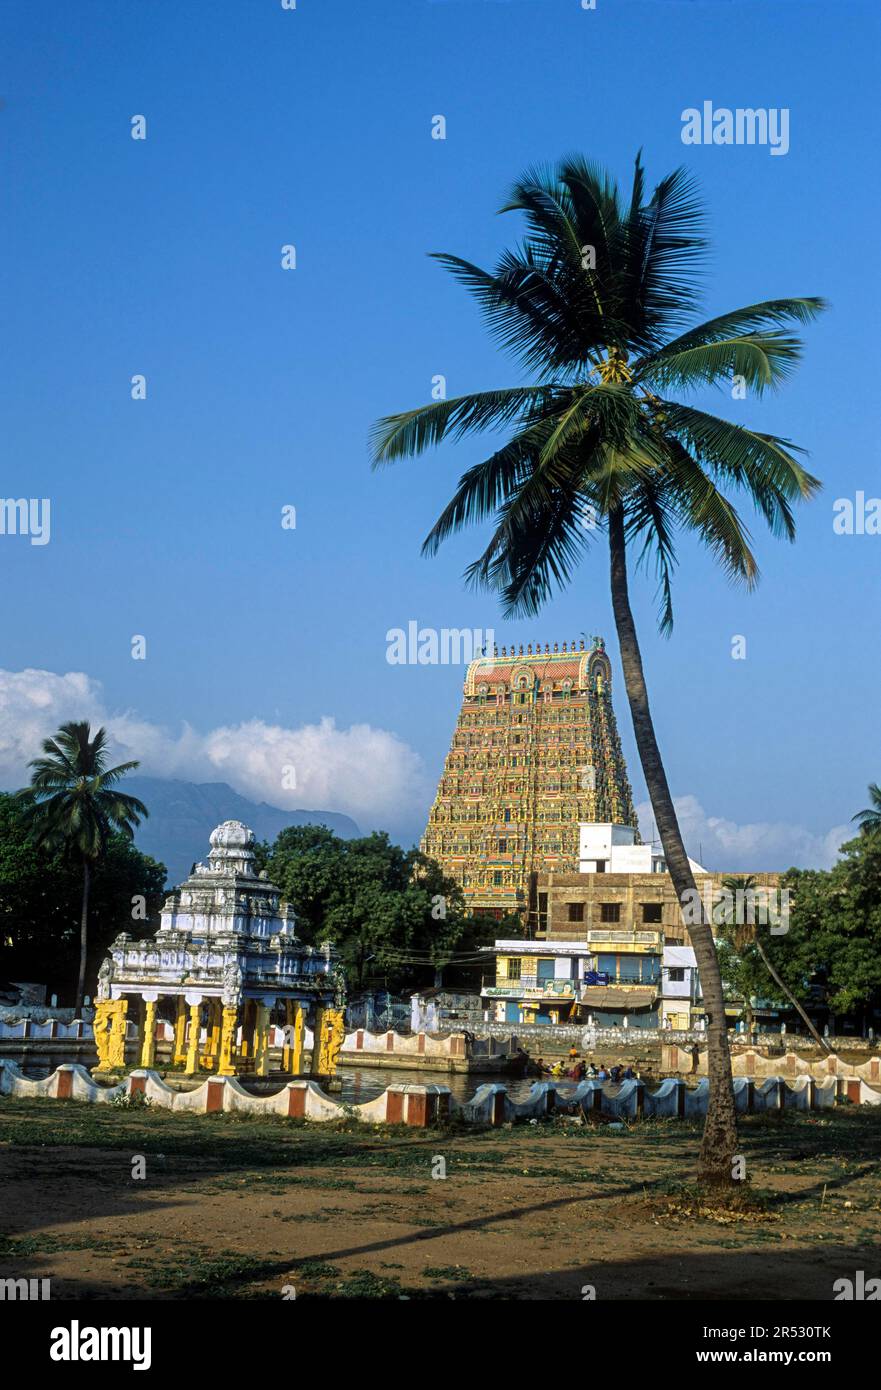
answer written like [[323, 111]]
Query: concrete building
[[607, 979], [607, 943], [680, 1000], [620, 884], [604, 847], [445, 1010]]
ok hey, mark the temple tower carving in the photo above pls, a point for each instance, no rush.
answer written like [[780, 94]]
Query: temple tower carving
[[535, 752]]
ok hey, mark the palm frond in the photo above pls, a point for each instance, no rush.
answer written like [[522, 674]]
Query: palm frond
[[648, 519], [413, 431]]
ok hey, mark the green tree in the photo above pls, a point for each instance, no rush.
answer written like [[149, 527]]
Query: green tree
[[745, 932], [74, 800], [380, 911], [40, 901], [598, 303], [391, 912], [870, 819], [306, 861], [835, 927]]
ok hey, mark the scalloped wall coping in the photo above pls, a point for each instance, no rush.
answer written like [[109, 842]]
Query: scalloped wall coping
[[422, 1105]]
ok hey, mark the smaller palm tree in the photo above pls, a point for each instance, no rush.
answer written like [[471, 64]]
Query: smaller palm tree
[[745, 933], [74, 803], [870, 819]]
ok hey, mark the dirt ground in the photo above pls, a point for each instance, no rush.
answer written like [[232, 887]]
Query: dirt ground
[[237, 1207]]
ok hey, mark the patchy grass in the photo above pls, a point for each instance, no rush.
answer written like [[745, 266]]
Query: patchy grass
[[245, 1207]]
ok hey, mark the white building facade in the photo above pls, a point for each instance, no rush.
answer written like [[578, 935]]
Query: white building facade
[[681, 1000], [605, 848]]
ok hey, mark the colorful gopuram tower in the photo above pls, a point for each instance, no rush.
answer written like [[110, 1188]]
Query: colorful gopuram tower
[[535, 752]]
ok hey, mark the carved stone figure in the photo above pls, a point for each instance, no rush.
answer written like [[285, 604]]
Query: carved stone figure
[[105, 977], [333, 1032], [232, 985], [339, 987]]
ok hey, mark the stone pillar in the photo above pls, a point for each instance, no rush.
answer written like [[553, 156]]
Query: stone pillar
[[226, 1058], [192, 1061], [286, 1046], [148, 1039], [329, 1041], [296, 1051], [212, 1041], [247, 1015], [179, 1051], [261, 1040], [317, 1026], [101, 1030], [117, 1035]]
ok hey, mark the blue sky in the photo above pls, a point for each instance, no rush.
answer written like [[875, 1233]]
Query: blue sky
[[265, 127]]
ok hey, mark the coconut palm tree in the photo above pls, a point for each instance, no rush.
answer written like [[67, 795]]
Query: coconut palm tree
[[597, 303], [74, 802], [744, 932], [870, 819]]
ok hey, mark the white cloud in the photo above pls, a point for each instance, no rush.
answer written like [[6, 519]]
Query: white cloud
[[722, 844], [367, 773]]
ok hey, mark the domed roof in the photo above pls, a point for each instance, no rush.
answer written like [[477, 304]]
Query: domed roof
[[232, 849], [232, 834]]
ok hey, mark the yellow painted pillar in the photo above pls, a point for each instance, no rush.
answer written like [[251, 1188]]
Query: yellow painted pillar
[[261, 1041], [292, 1055], [333, 1032], [101, 1030], [287, 1049], [208, 1058], [317, 1026], [216, 1026], [226, 1059], [193, 1040], [299, 1039], [148, 1041], [247, 1009], [117, 1035], [180, 1033]]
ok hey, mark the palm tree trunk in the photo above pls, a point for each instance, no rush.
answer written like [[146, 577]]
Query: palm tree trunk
[[790, 996], [719, 1142], [84, 939]]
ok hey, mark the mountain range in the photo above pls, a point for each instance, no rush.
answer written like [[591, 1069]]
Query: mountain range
[[183, 814]]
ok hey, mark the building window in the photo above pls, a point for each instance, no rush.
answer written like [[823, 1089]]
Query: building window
[[497, 878], [514, 968], [576, 912], [676, 974], [610, 912], [652, 912], [503, 846], [507, 814]]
